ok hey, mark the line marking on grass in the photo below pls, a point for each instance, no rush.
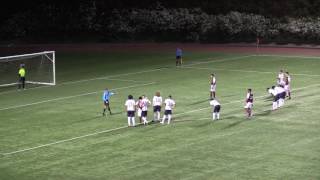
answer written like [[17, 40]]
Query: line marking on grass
[[250, 71], [74, 96], [158, 69], [284, 56], [218, 60], [65, 140], [91, 79], [123, 127], [110, 77]]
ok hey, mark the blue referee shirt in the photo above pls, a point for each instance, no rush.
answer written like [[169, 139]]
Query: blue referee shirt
[[179, 52], [106, 95]]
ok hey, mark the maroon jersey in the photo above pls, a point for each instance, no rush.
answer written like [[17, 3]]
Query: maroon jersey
[[249, 97]]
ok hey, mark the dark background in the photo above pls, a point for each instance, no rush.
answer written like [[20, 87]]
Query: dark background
[[125, 20]]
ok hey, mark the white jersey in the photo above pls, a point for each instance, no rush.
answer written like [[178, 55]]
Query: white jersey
[[214, 103], [139, 103], [145, 104], [213, 80], [130, 104], [278, 90], [281, 76], [169, 104], [157, 101], [273, 92]]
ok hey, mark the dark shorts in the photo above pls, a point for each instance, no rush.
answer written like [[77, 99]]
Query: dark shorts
[[106, 103], [156, 108], [130, 113], [276, 98], [22, 79], [283, 95], [144, 113], [167, 112], [217, 109], [178, 57]]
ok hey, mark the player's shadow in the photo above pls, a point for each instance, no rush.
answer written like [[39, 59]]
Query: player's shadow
[[199, 102], [88, 119], [269, 98], [263, 113], [233, 124], [116, 113], [230, 95]]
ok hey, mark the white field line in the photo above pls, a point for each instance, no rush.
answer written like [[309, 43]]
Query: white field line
[[123, 127], [91, 79], [74, 96], [251, 71], [218, 60], [284, 56], [107, 78], [110, 77], [101, 132], [125, 74]]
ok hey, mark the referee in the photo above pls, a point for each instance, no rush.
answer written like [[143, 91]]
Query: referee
[[22, 77]]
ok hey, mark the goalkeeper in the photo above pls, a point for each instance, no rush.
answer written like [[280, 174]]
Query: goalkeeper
[[22, 76], [105, 97]]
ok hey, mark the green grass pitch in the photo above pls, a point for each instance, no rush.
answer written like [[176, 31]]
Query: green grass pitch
[[59, 133]]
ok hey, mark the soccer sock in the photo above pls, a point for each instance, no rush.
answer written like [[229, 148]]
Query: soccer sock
[[158, 116], [145, 120], [133, 121], [163, 119], [155, 116], [104, 110], [218, 115], [109, 109], [129, 121], [169, 118], [281, 102], [274, 105], [213, 116]]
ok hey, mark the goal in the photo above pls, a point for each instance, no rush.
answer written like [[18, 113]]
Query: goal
[[40, 68]]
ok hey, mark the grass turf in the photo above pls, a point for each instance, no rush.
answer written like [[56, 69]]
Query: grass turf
[[284, 144]]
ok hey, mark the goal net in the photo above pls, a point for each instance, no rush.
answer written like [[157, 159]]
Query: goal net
[[40, 68]]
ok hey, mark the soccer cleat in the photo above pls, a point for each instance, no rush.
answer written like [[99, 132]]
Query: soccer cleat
[[103, 114]]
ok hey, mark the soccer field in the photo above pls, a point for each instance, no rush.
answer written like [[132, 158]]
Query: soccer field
[[59, 132]]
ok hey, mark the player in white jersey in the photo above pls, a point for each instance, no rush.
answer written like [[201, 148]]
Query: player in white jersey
[[156, 102], [145, 104], [281, 95], [249, 103], [281, 76], [130, 108], [213, 84], [215, 109], [287, 85], [139, 108], [169, 105], [275, 98]]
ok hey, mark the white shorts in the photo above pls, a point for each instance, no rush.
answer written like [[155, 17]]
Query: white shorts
[[139, 112], [249, 105], [212, 88], [287, 87]]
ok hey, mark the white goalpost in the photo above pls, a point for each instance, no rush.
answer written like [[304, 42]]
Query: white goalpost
[[40, 68]]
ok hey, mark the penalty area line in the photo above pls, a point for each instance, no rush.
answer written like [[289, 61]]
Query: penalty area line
[[70, 97]]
